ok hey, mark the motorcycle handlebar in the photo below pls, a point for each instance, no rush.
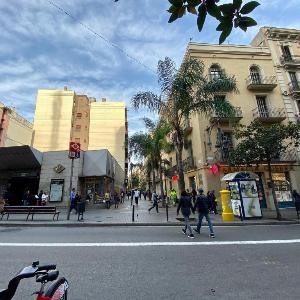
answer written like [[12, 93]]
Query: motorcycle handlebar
[[46, 268]]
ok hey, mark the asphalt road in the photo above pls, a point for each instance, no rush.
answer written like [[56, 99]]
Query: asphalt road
[[157, 271]]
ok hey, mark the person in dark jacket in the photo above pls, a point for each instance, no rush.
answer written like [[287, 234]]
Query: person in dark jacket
[[212, 201], [296, 198], [155, 202], [202, 207], [186, 206], [194, 195]]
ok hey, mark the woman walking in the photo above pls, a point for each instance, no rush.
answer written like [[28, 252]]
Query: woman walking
[[186, 206]]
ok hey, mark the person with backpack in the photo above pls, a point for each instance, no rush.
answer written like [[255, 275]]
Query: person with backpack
[[155, 202], [186, 206], [202, 207]]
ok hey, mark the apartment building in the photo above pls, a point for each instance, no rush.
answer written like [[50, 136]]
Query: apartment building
[[62, 116], [284, 45], [15, 130], [210, 139]]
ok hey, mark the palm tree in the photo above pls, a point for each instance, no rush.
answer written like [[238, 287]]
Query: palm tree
[[183, 93], [150, 146]]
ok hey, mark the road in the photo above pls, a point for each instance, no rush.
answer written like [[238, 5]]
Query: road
[[137, 263]]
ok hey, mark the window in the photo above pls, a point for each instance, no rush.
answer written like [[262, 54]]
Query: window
[[294, 80], [262, 106], [77, 140], [215, 72], [79, 115], [286, 53], [78, 127], [255, 75]]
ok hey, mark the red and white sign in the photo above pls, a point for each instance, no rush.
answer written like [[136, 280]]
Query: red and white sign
[[74, 150]]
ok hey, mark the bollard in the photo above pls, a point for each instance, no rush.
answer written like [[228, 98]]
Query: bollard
[[227, 214], [167, 212], [241, 213], [132, 213]]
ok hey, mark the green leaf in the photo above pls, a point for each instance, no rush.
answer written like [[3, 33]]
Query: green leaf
[[213, 9], [247, 22], [177, 3], [225, 23], [172, 9], [194, 2], [191, 9], [201, 16], [173, 17], [181, 11], [227, 9], [237, 3], [225, 33], [249, 7]]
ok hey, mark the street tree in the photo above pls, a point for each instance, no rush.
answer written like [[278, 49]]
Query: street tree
[[260, 144], [228, 15], [150, 146], [182, 93]]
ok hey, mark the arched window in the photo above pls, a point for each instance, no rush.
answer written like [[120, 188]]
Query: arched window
[[255, 75], [215, 72]]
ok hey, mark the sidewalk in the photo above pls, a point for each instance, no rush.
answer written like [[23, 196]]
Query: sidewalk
[[122, 216]]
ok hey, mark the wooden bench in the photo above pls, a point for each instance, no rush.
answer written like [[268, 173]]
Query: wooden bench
[[30, 210]]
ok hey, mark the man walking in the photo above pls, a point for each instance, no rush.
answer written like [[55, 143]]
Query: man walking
[[186, 206], [201, 206], [73, 200], [155, 202], [136, 196]]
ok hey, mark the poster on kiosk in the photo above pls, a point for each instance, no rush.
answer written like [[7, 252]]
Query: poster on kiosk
[[244, 194]]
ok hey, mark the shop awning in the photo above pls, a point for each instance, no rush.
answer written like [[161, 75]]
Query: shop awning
[[240, 176], [20, 158]]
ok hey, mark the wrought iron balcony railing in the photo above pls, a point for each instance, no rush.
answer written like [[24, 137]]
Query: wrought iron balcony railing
[[223, 117], [269, 115], [290, 61], [261, 83], [294, 87]]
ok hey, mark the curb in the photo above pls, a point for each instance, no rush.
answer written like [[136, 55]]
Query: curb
[[94, 224]]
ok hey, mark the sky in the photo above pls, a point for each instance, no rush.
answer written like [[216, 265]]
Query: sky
[[42, 47]]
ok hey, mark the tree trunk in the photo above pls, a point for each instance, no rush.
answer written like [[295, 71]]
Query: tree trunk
[[181, 183], [153, 181], [161, 184], [273, 192]]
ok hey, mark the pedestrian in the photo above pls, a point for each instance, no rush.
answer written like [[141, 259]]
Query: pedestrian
[[26, 198], [107, 199], [116, 199], [155, 202], [39, 198], [145, 195], [201, 206], [73, 200], [296, 198], [128, 195], [186, 206], [136, 196], [122, 196], [213, 202], [44, 199], [194, 196]]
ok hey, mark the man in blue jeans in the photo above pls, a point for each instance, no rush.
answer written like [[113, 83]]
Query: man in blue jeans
[[202, 207]]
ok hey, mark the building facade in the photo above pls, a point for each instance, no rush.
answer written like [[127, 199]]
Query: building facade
[[284, 45], [62, 116], [211, 139], [15, 130]]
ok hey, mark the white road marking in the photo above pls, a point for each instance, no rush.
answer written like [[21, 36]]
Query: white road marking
[[149, 244]]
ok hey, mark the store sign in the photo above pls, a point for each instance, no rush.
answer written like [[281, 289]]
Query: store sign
[[260, 168], [59, 168], [74, 150]]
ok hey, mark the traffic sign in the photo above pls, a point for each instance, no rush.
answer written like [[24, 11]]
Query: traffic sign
[[74, 150]]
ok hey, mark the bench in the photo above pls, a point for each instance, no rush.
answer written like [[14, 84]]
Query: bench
[[30, 210]]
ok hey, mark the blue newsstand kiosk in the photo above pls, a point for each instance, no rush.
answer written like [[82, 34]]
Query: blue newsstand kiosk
[[244, 194]]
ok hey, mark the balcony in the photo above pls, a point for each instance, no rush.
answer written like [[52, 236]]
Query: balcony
[[271, 115], [291, 155], [261, 83], [223, 118], [294, 87], [188, 164], [290, 61]]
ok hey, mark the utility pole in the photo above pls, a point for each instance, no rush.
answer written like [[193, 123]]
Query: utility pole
[[70, 188]]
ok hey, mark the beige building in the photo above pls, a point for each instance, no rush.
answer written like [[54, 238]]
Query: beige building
[[259, 97], [62, 116], [15, 130], [284, 45]]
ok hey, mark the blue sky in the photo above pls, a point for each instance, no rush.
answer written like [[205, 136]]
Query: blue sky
[[43, 48]]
